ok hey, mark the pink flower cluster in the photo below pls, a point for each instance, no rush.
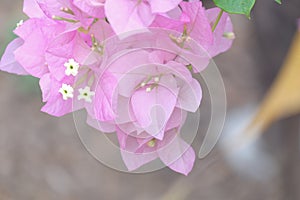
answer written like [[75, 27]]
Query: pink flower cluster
[[129, 63]]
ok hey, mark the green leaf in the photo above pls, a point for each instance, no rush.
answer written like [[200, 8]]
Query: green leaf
[[278, 1], [236, 6]]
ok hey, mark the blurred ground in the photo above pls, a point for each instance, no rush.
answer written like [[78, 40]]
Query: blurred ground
[[41, 157]]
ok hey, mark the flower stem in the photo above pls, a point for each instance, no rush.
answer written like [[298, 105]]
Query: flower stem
[[217, 21]]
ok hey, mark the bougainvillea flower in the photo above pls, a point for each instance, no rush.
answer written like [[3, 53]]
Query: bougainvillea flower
[[129, 63], [173, 151], [198, 27], [150, 90], [56, 103], [223, 34]]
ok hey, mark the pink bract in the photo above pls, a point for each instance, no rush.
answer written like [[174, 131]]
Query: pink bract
[[129, 63]]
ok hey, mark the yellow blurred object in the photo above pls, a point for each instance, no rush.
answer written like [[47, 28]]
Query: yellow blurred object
[[283, 98]]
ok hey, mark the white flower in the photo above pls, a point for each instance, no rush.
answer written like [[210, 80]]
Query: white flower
[[20, 23], [86, 94], [66, 91], [72, 67]]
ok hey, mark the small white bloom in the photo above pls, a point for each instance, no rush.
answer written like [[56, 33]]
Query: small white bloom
[[86, 94], [72, 67], [20, 23], [66, 91]]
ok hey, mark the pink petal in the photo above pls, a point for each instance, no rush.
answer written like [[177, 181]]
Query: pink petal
[[124, 16], [55, 104], [190, 95], [176, 153], [128, 146], [199, 26], [8, 62], [31, 55], [192, 54], [220, 43], [32, 9], [135, 160], [185, 163], [124, 112], [93, 8], [153, 109], [177, 119], [45, 85], [103, 101], [158, 6]]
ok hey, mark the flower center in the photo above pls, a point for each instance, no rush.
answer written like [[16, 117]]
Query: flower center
[[151, 143], [150, 87]]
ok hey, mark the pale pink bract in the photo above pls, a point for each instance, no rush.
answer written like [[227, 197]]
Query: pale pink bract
[[129, 63]]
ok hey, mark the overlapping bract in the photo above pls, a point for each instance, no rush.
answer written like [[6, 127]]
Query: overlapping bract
[[129, 63]]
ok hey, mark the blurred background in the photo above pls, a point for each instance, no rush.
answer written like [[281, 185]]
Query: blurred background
[[41, 157]]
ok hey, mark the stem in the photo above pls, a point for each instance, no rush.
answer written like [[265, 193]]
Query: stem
[[217, 21]]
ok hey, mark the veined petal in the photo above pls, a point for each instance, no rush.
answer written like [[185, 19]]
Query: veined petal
[[220, 43], [8, 62], [158, 6], [103, 101], [124, 16], [32, 9], [176, 153]]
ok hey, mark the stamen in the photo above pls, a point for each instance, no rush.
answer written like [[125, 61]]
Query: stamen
[[67, 10], [148, 89], [96, 46], [143, 84], [229, 35], [64, 19], [156, 79]]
